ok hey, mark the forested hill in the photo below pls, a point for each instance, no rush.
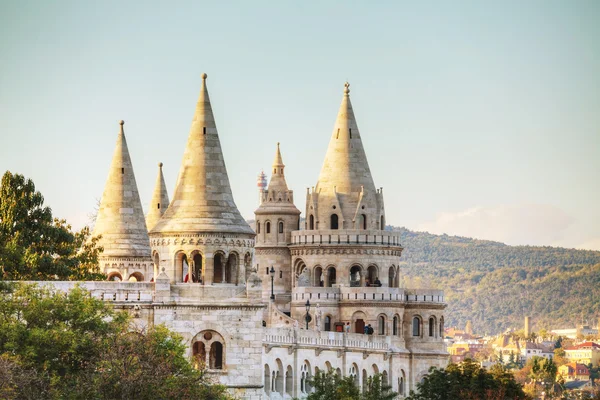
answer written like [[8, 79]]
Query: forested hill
[[496, 285]]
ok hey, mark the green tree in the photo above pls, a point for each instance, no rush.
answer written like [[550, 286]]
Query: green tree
[[468, 380], [331, 386], [377, 389], [71, 345], [34, 245]]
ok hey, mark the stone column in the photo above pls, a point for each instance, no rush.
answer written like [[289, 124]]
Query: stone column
[[241, 271], [190, 269], [209, 268]]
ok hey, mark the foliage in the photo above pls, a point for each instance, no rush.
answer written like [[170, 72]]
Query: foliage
[[492, 284], [71, 345], [34, 245], [468, 380], [331, 386]]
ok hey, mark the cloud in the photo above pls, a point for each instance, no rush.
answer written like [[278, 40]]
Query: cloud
[[521, 224]]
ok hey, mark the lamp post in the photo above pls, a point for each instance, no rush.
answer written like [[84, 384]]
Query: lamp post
[[272, 271], [307, 305]]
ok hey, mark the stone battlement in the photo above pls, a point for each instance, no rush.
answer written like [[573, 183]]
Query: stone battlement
[[351, 237], [362, 294]]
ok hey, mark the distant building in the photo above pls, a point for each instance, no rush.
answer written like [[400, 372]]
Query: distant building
[[587, 353], [572, 333], [574, 372]]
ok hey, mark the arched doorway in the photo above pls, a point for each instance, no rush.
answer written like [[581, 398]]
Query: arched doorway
[[331, 277], [219, 268]]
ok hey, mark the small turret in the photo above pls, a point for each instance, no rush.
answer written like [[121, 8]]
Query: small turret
[[276, 218], [159, 202]]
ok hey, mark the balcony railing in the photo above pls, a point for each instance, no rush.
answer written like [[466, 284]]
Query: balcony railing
[[346, 237]]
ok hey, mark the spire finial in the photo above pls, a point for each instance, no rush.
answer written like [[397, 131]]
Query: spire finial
[[204, 76], [160, 164], [277, 144], [346, 88], [121, 122]]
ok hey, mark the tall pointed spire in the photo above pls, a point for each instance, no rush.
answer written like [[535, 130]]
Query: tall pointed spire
[[345, 196], [345, 167], [159, 202], [203, 201], [277, 182], [120, 218]]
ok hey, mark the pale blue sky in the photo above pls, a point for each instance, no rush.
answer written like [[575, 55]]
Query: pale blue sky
[[479, 118]]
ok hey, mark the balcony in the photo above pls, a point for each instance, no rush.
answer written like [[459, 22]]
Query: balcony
[[346, 237], [362, 294]]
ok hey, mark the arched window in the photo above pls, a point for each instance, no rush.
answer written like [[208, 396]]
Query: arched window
[[382, 225], [268, 227], [311, 224], [257, 227], [328, 323], [431, 326], [381, 321], [334, 221], [199, 355], [416, 326], [364, 221], [395, 326], [216, 356], [281, 227], [289, 380], [267, 379]]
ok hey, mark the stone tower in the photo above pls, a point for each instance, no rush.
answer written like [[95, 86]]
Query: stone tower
[[344, 243], [120, 221], [202, 237], [159, 202], [276, 218]]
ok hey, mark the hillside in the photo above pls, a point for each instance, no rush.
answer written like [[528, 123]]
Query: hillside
[[495, 285]]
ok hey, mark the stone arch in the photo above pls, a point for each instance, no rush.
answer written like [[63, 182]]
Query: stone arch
[[267, 227], [392, 276], [327, 323], [334, 222], [181, 266], [328, 366], [214, 348], [196, 266], [356, 275], [280, 227], [305, 377], [442, 334], [330, 276], [232, 268], [219, 260], [199, 355], [353, 372], [384, 378], [421, 376], [402, 383], [311, 222], [381, 321], [396, 325], [359, 320], [382, 223], [318, 276], [416, 326], [372, 273], [364, 380], [299, 266], [363, 222], [279, 377], [136, 277], [431, 326], [114, 276], [375, 369]]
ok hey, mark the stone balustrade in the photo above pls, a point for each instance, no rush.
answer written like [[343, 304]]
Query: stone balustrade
[[346, 237], [377, 294], [329, 340]]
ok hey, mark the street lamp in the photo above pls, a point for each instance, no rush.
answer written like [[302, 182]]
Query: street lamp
[[272, 271], [307, 305]]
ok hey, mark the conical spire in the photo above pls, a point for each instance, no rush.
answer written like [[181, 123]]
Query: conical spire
[[203, 201], [345, 167], [277, 182], [120, 218], [159, 202]]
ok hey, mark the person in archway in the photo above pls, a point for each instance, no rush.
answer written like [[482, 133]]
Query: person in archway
[[367, 282], [347, 327], [377, 282]]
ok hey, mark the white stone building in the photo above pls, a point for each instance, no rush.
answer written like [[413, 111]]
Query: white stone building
[[240, 298]]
